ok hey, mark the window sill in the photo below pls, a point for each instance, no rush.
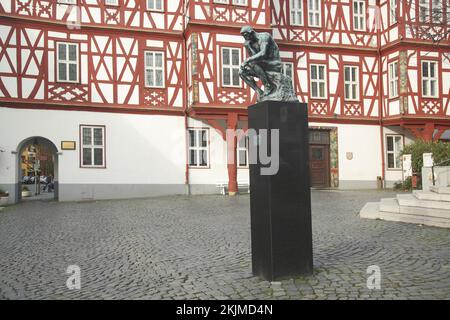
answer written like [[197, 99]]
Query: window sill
[[155, 87], [93, 167], [195, 167], [155, 10]]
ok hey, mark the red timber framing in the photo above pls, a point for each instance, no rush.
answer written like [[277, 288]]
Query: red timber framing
[[132, 14], [110, 66]]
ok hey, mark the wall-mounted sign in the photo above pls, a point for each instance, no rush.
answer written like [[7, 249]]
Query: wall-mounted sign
[[67, 145]]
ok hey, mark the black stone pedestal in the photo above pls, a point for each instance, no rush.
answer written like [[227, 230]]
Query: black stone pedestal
[[281, 204]]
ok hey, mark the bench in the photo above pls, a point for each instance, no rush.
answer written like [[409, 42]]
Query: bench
[[223, 185]]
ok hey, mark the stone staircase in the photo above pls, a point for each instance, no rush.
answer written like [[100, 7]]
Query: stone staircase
[[430, 208]]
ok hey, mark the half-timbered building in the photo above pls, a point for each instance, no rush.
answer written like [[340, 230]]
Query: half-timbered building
[[147, 89]]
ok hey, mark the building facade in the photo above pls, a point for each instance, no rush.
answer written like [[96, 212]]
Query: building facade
[[147, 88]]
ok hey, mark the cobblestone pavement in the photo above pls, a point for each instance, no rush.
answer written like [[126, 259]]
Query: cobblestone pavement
[[199, 248]]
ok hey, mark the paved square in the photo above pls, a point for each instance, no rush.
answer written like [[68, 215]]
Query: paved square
[[199, 248]]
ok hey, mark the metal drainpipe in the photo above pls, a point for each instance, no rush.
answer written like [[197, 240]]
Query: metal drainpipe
[[380, 98], [185, 102]]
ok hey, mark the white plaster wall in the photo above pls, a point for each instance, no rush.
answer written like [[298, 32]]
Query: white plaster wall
[[364, 142], [217, 170], [140, 149]]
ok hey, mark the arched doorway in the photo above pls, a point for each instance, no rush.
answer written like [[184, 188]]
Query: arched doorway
[[43, 159]]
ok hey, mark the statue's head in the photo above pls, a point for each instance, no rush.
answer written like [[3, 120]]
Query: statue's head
[[248, 33]]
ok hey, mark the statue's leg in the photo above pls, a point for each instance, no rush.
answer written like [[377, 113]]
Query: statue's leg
[[262, 75], [248, 79]]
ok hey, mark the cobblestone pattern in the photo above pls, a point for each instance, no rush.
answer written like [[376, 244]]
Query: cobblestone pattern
[[199, 248]]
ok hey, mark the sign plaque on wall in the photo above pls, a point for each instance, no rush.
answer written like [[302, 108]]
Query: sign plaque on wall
[[67, 145]]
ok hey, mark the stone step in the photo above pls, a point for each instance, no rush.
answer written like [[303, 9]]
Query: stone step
[[392, 205], [371, 211], [440, 190], [410, 200], [428, 195]]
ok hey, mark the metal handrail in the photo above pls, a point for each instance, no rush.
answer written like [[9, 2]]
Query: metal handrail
[[436, 165]]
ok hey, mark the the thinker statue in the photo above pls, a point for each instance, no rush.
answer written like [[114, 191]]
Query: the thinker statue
[[265, 64]]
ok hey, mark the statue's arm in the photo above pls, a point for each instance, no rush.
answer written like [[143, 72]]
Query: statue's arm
[[262, 52]]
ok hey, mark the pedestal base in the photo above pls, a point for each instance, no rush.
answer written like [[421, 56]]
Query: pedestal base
[[281, 204]]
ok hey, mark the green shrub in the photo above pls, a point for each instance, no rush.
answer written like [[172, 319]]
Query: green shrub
[[404, 185], [439, 149]]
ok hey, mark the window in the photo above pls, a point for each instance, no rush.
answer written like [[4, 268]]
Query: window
[[297, 12], [424, 10], [242, 152], [92, 146], [437, 11], [288, 68], [318, 82], [231, 60], [394, 147], [67, 1], [351, 82], [198, 147], [431, 14], [112, 2], [314, 13], [156, 5], [221, 1], [359, 11], [429, 79], [393, 79], [67, 65], [240, 2], [154, 69], [393, 10]]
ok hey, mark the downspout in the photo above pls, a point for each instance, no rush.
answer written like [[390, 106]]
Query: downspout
[[185, 103], [380, 93]]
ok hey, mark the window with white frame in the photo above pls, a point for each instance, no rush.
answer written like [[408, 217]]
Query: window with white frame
[[359, 12], [437, 11], [198, 147], [317, 81], [112, 2], [240, 2], [92, 146], [351, 82], [314, 13], [156, 5], [222, 1], [67, 1], [393, 79], [429, 79], [154, 69], [393, 11], [296, 12], [231, 60], [67, 62], [424, 11], [288, 68], [242, 152], [394, 147]]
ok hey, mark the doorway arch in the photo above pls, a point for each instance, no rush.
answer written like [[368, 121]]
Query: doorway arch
[[36, 140]]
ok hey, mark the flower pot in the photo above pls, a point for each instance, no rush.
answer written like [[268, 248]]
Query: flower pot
[[26, 194], [3, 200]]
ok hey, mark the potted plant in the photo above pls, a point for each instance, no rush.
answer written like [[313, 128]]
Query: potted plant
[[25, 192], [4, 195]]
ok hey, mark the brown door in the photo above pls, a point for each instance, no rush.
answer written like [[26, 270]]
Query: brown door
[[319, 164]]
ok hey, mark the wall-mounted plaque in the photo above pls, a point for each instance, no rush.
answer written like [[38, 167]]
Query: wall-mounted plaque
[[67, 145]]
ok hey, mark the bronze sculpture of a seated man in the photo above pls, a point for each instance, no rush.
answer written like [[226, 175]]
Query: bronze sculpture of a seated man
[[264, 63]]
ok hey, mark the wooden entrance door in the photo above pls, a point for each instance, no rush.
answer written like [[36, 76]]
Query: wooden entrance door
[[319, 163]]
